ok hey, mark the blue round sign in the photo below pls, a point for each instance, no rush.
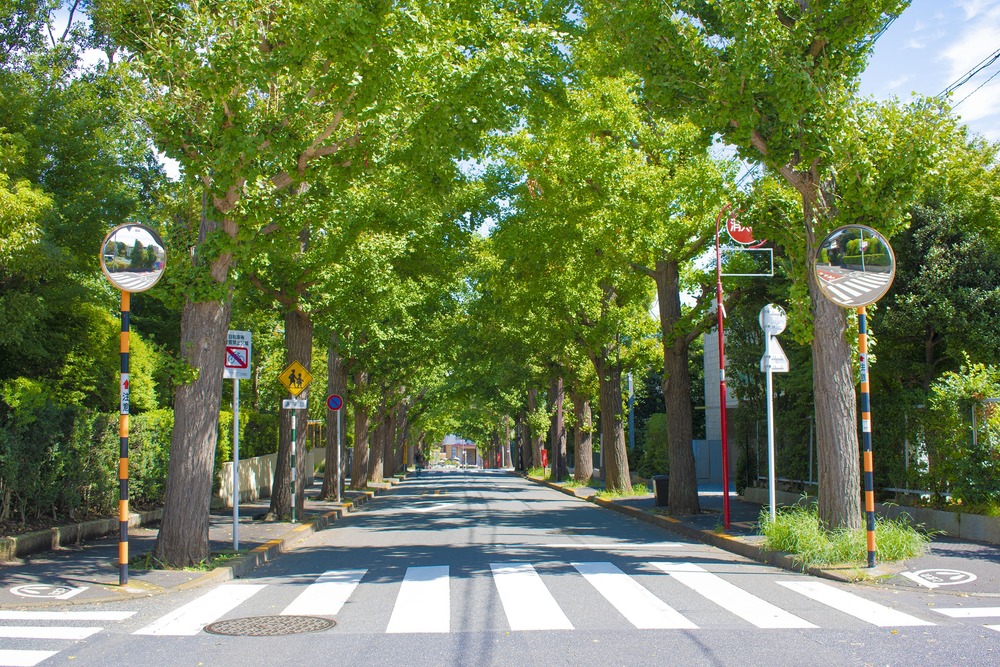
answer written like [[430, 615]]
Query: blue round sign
[[334, 402]]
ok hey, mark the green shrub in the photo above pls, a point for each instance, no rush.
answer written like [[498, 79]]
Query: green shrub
[[797, 530], [655, 459], [258, 434]]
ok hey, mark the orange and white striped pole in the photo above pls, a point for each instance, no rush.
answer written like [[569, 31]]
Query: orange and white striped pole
[[123, 454], [866, 434]]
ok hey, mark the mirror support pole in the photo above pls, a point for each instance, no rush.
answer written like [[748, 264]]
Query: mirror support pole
[[123, 453], [866, 433]]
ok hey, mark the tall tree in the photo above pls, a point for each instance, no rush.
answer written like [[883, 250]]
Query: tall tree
[[251, 98], [777, 80]]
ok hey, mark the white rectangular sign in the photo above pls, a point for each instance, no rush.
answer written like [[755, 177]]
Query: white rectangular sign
[[295, 404], [777, 360], [239, 351]]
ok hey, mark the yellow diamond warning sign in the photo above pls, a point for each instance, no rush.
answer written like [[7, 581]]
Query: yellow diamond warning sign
[[295, 378]]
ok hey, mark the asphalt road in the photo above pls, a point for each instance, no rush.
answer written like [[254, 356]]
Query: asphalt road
[[485, 568]]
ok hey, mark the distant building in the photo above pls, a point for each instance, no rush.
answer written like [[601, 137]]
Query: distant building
[[459, 449]]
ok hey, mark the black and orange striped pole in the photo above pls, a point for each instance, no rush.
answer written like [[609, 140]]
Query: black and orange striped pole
[[123, 453], [866, 434], [133, 260]]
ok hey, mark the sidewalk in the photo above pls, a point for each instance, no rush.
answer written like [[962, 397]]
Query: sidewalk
[[960, 567], [88, 572]]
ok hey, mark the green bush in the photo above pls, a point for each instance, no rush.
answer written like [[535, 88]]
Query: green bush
[[969, 472], [655, 459], [873, 259], [797, 530], [258, 434]]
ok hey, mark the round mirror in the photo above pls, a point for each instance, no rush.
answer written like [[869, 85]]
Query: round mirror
[[133, 257], [855, 266]]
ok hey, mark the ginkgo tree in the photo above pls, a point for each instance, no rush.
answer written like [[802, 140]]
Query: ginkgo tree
[[251, 97], [777, 80]]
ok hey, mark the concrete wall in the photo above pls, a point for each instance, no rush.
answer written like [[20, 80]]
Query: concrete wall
[[257, 475]]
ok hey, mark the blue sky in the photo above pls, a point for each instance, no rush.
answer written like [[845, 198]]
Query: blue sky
[[931, 45]]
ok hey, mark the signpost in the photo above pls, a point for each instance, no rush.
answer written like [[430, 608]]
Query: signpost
[[236, 367], [296, 379], [772, 320], [854, 268], [335, 403], [133, 260]]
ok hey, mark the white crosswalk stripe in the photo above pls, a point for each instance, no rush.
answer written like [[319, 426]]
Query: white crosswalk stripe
[[534, 600], [732, 598], [527, 602], [327, 595], [854, 605], [14, 657], [972, 612], [424, 601], [192, 617], [643, 609]]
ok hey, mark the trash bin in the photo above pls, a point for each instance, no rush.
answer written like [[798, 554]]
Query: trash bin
[[661, 489]]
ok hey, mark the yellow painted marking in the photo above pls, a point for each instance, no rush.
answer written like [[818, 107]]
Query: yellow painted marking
[[123, 468], [122, 552], [122, 426], [123, 510]]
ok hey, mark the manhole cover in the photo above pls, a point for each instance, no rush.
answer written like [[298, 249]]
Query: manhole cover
[[269, 626]]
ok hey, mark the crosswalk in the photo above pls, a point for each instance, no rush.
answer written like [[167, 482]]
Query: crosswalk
[[653, 595], [651, 598], [857, 287], [31, 634]]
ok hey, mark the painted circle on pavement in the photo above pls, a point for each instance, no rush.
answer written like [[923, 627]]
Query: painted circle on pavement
[[942, 576]]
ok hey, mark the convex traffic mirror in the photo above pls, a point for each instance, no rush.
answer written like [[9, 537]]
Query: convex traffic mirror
[[133, 257], [855, 266]]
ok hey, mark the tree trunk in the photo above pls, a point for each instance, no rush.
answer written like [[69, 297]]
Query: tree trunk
[[359, 468], [536, 438], [392, 424], [183, 537], [557, 434], [298, 347], [336, 374], [376, 452], [609, 375], [583, 441], [523, 443], [401, 431], [683, 494], [836, 412]]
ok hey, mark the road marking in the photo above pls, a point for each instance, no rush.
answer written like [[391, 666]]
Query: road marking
[[993, 627], [623, 546], [423, 603], [10, 658], [326, 595], [936, 577], [189, 619], [527, 602], [848, 603], [432, 508], [65, 615], [45, 632], [970, 612], [730, 597], [643, 609]]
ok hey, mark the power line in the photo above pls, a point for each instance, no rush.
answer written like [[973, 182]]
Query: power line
[[976, 69], [954, 106]]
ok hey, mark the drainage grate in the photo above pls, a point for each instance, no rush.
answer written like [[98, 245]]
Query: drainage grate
[[269, 626]]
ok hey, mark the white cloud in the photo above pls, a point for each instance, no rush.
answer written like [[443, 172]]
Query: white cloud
[[981, 104], [899, 82], [974, 8], [972, 45]]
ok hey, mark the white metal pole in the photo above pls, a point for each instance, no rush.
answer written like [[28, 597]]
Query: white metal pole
[[770, 428], [236, 465], [340, 466], [293, 466]]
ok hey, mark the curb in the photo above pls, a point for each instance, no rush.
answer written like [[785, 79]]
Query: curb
[[724, 541], [270, 550], [28, 544]]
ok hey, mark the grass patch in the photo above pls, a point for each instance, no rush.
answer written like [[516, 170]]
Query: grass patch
[[536, 471], [797, 531], [147, 561], [571, 483], [637, 490]]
